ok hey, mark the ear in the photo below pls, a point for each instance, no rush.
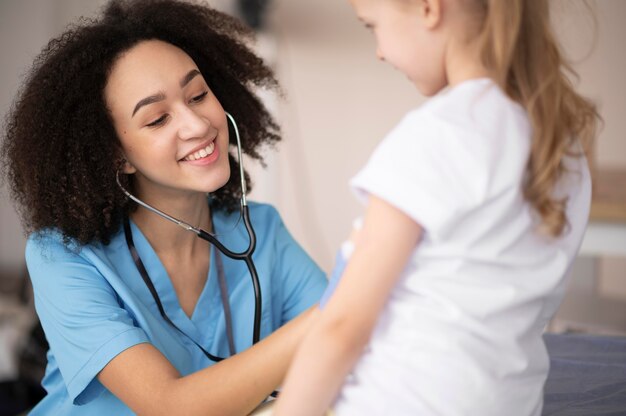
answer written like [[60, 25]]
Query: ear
[[430, 12], [127, 167]]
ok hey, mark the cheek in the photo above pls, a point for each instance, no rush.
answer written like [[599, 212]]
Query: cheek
[[147, 153], [125, 136], [126, 144], [130, 147], [400, 54]]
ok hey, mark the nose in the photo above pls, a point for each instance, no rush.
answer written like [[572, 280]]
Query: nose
[[191, 124], [379, 54]]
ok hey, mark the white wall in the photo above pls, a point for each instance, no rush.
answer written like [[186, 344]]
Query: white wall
[[599, 55], [339, 102]]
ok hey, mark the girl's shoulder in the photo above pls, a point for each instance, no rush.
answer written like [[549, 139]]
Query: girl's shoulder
[[479, 104], [475, 115]]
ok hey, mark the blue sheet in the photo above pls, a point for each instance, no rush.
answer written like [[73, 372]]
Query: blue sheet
[[587, 375]]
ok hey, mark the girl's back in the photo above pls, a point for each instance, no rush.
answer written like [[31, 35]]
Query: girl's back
[[461, 331]]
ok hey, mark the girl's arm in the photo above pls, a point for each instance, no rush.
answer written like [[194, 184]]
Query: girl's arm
[[146, 381], [329, 351]]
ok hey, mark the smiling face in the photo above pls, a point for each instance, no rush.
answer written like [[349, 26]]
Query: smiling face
[[172, 129]]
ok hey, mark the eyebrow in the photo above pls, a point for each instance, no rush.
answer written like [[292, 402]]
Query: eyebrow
[[187, 78], [148, 100], [160, 96]]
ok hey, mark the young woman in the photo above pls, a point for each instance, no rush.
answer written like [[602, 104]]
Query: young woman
[[137, 310]]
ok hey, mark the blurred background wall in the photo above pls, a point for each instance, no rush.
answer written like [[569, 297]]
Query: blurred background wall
[[339, 101]]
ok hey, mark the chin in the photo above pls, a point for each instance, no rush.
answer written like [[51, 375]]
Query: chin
[[428, 90], [219, 181]]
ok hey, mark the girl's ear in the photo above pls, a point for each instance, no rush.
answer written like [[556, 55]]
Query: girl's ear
[[430, 12]]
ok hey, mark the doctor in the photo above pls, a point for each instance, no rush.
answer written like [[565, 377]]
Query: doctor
[[137, 316]]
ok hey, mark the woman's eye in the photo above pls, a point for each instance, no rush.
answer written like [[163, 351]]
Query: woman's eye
[[158, 121], [199, 98]]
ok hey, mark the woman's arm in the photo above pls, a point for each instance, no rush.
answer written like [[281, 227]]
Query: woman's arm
[[146, 381], [329, 351]]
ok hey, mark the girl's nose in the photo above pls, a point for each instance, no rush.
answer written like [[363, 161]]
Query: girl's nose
[[379, 54]]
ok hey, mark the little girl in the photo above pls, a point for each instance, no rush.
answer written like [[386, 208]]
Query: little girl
[[476, 206]]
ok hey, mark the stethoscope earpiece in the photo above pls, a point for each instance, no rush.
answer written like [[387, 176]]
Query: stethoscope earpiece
[[244, 189]]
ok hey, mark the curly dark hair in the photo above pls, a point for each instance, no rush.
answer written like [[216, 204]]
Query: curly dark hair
[[61, 152]]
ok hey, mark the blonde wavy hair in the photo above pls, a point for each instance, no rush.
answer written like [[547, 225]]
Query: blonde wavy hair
[[518, 45]]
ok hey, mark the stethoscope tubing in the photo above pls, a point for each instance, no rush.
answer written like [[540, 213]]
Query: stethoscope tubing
[[246, 256]]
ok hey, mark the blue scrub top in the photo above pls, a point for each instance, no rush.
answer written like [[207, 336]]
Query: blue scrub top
[[93, 304]]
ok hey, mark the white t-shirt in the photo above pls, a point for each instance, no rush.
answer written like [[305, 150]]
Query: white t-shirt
[[461, 332]]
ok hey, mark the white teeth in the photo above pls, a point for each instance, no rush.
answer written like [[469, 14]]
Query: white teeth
[[202, 153]]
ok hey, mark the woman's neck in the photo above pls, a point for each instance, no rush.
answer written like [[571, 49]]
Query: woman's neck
[[167, 238]]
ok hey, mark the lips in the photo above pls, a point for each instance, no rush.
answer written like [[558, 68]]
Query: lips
[[200, 152]]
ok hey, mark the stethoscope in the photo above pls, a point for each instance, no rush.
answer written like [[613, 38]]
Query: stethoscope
[[245, 255]]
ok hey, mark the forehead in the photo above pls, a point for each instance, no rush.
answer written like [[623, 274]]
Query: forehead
[[376, 10], [363, 6], [149, 67]]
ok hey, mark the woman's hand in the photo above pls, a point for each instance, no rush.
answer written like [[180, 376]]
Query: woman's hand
[[148, 383]]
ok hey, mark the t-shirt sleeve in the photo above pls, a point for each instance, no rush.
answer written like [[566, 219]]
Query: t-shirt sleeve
[[429, 170], [79, 311], [302, 281]]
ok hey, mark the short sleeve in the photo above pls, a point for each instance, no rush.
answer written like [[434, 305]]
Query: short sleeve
[[302, 281], [431, 170], [79, 311]]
